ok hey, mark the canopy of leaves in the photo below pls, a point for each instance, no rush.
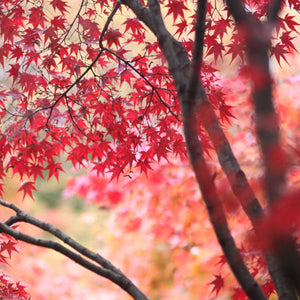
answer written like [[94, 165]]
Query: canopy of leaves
[[123, 114]]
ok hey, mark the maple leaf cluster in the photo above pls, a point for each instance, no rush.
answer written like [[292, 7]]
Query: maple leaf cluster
[[9, 289], [49, 108]]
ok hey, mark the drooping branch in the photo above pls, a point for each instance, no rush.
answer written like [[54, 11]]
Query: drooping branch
[[107, 270], [22, 216], [18, 235]]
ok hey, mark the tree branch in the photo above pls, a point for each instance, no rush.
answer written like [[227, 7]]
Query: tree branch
[[258, 40], [213, 203], [107, 270], [238, 11], [203, 175], [273, 10], [199, 37], [57, 247], [197, 57]]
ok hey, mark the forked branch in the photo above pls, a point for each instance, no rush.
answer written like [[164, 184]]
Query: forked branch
[[83, 256]]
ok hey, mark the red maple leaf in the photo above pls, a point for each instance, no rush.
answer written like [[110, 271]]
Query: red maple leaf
[[116, 171], [287, 39], [113, 37], [16, 53], [181, 27], [37, 170], [225, 112], [60, 5], [280, 52], [28, 82], [217, 283], [27, 187], [14, 71], [176, 8], [9, 247], [54, 169], [144, 165], [134, 25], [90, 28], [214, 47], [220, 28], [289, 20], [37, 17], [4, 53], [3, 259], [90, 12]]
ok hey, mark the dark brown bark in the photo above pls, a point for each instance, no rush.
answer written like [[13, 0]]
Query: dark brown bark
[[83, 256], [285, 262]]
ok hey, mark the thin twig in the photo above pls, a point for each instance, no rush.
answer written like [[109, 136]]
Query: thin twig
[[154, 88], [51, 107]]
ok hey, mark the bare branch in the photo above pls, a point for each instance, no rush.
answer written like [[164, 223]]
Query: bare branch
[[197, 57], [24, 217], [213, 202], [199, 36], [107, 270], [57, 247]]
